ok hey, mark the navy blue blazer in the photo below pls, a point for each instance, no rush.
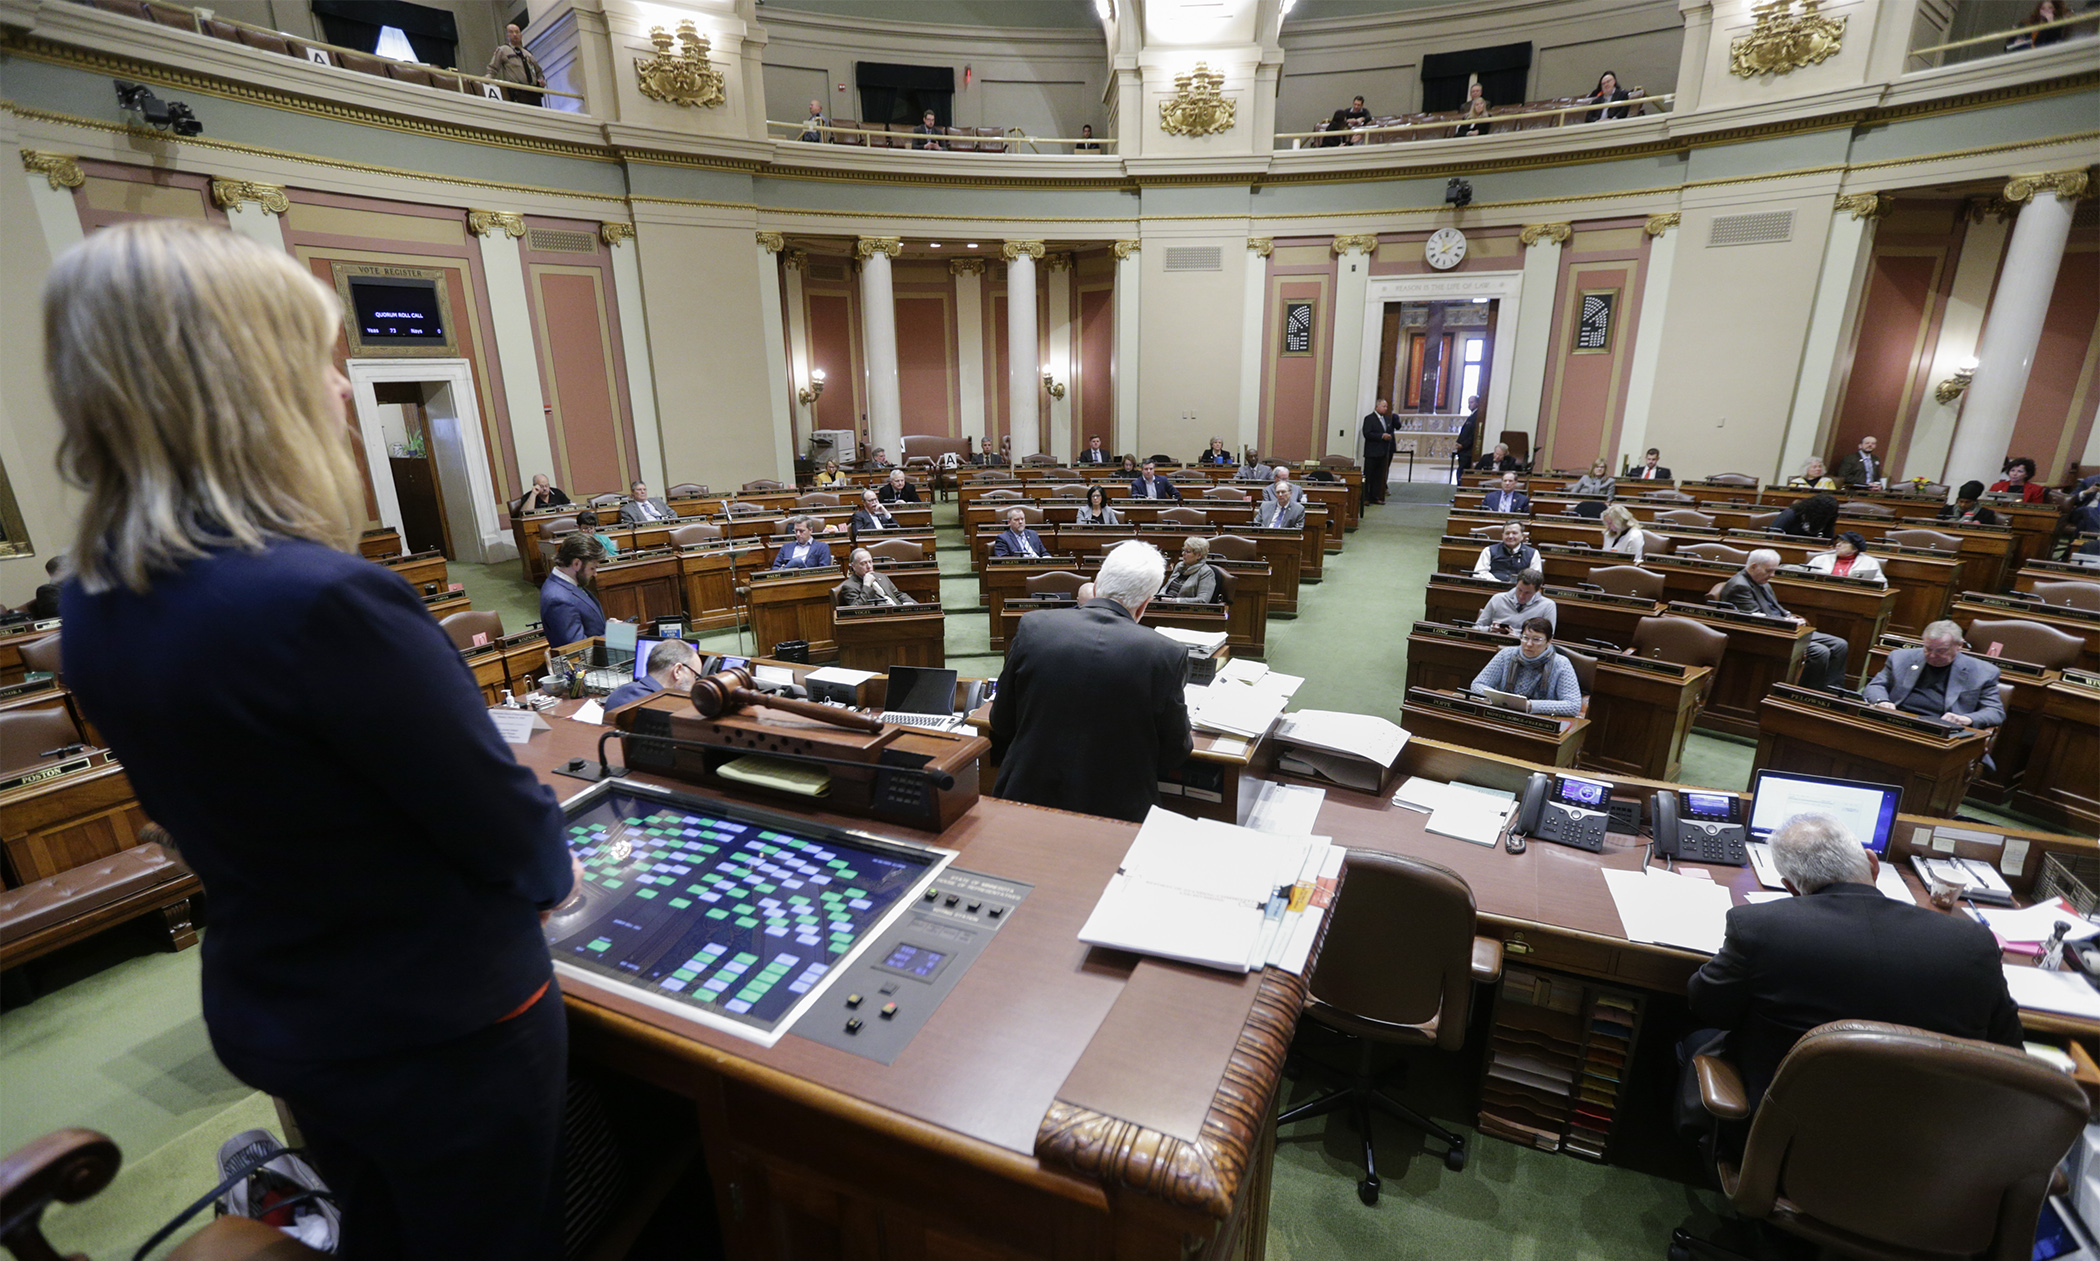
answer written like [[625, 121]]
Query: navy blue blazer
[[816, 556], [1496, 501], [633, 691], [568, 612], [376, 858], [1009, 544], [1166, 489]]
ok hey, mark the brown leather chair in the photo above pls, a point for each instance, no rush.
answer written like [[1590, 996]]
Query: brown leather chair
[[1865, 508], [1519, 444], [1931, 539], [1714, 551], [553, 528], [685, 489], [463, 626], [1056, 582], [1628, 580], [1068, 492], [1686, 516], [1002, 494], [1185, 516], [1337, 461], [1398, 967], [1228, 586], [1732, 479], [402, 72], [1226, 492], [1836, 1147], [2072, 593], [1029, 513], [817, 499], [748, 510], [897, 550], [1680, 640], [1763, 520], [1039, 460], [764, 485], [1233, 547], [2032, 642], [610, 499], [43, 655], [1585, 667], [698, 532], [27, 734], [1668, 496]]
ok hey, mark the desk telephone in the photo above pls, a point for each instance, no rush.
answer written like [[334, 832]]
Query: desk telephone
[[1565, 809], [1700, 828]]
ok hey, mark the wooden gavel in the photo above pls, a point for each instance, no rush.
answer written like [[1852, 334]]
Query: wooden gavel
[[727, 691]]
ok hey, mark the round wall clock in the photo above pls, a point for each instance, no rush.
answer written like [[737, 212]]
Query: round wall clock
[[1445, 248]]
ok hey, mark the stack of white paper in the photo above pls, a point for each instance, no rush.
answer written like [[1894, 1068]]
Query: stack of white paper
[[2066, 992], [1286, 809], [1367, 736], [1201, 643], [1241, 670], [2038, 923], [1670, 910], [1234, 709], [1470, 816], [1421, 794]]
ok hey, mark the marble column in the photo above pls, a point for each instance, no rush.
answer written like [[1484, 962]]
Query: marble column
[[1647, 336], [1841, 285], [1982, 245], [780, 394], [969, 345], [2026, 282], [1253, 310], [1352, 282], [878, 323], [1024, 370], [1526, 392], [800, 366], [498, 236], [1057, 280], [1129, 267]]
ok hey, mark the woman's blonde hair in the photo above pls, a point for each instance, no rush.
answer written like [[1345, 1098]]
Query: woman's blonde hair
[[1617, 518], [189, 367]]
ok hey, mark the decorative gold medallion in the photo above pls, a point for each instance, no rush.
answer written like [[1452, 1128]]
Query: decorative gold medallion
[[683, 79], [1783, 41], [1198, 106], [1558, 233]]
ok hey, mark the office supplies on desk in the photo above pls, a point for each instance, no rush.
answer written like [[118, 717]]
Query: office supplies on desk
[[2067, 993], [1699, 827], [1565, 809], [1364, 737], [2034, 924], [1286, 809], [1198, 891], [921, 696], [1980, 882], [1670, 910]]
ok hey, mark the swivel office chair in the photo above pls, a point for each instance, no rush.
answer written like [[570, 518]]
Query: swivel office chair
[[27, 734], [1038, 461], [1864, 508], [1057, 582], [1732, 479], [2033, 642], [2073, 594], [1030, 514], [1185, 516], [1226, 492], [610, 499], [1074, 491], [1001, 494], [763, 485], [698, 532], [1233, 547], [1628, 580], [1883, 1141], [43, 655], [1763, 520], [685, 490], [1686, 516], [905, 550], [1933, 540], [1398, 966], [818, 499], [1681, 641], [1713, 551], [463, 626]]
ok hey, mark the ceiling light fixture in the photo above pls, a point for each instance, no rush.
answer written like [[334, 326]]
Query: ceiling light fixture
[[972, 245]]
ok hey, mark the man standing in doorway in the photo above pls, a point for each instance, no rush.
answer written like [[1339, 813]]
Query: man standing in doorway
[[1378, 430]]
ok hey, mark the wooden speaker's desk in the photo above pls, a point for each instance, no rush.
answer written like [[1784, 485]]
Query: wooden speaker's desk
[[711, 573], [876, 637], [1761, 651], [642, 587], [2062, 778], [2084, 623], [2013, 741], [1815, 733], [1453, 719], [1061, 1102]]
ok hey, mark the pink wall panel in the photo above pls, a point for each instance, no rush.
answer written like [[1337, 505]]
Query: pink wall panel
[[1095, 388], [1899, 302], [831, 348], [2047, 430], [1294, 380], [583, 381], [925, 364], [1584, 391]]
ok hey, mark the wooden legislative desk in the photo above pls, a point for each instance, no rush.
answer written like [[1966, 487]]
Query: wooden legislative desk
[[1245, 621], [876, 637], [514, 663], [1853, 609], [2062, 778], [1640, 711], [1924, 580], [1453, 719], [1815, 733], [1271, 543], [790, 604], [12, 669], [641, 587], [1062, 1102], [2014, 740], [81, 810], [425, 571], [2084, 623], [380, 543], [2054, 571], [1761, 652], [841, 548], [712, 574]]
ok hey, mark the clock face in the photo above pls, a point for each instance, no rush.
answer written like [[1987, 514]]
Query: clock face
[[1445, 248]]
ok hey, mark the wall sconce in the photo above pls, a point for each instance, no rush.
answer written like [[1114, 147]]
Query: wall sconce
[[814, 390], [1953, 387], [1052, 384]]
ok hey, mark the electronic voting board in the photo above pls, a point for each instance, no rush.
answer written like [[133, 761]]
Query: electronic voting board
[[728, 916]]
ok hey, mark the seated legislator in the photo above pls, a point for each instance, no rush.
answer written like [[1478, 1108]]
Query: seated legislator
[[1150, 485], [1535, 670], [1504, 561], [1506, 497], [1623, 534], [864, 586], [807, 551], [1598, 481], [2019, 480], [1095, 511], [1217, 456], [1498, 460], [1814, 517], [544, 494], [1282, 473], [1505, 611], [1093, 454], [588, 520], [1750, 591], [1650, 468], [1192, 578], [898, 489], [1813, 477], [1283, 508], [568, 610], [377, 864], [872, 514], [1090, 712], [1939, 681], [990, 454], [876, 462], [1839, 950], [1017, 539], [672, 663], [831, 475], [1849, 559], [1968, 507], [1862, 467], [640, 508]]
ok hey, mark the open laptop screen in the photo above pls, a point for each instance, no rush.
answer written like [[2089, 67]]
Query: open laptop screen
[[1867, 810], [919, 690]]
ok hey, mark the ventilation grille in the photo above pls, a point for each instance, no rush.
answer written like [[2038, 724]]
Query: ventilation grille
[[1195, 258], [1762, 229], [550, 241]]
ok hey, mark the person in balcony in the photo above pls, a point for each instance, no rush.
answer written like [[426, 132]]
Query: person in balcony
[[1475, 122], [1087, 143], [512, 63], [926, 131], [1607, 91], [813, 126], [2047, 11], [1344, 121]]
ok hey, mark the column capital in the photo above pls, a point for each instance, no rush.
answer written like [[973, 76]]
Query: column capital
[[771, 242], [1012, 250], [226, 194], [612, 233], [489, 222], [1362, 243], [1057, 261], [1977, 209], [1867, 205], [1262, 245], [973, 265], [1659, 224], [796, 260], [2067, 185], [1558, 233], [1124, 249], [61, 169], [869, 246]]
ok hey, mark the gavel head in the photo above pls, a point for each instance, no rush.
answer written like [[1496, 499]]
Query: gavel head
[[711, 693]]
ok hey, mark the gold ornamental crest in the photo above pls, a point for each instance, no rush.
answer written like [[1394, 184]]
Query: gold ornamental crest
[[684, 78], [1783, 41], [1198, 106]]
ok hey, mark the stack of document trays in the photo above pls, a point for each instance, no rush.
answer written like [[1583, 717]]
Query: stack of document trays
[[1241, 701], [1353, 750], [1204, 892], [1199, 643], [1465, 812]]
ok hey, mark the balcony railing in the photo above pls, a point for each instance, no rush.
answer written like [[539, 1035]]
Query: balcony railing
[[956, 139], [1525, 118], [2003, 37]]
